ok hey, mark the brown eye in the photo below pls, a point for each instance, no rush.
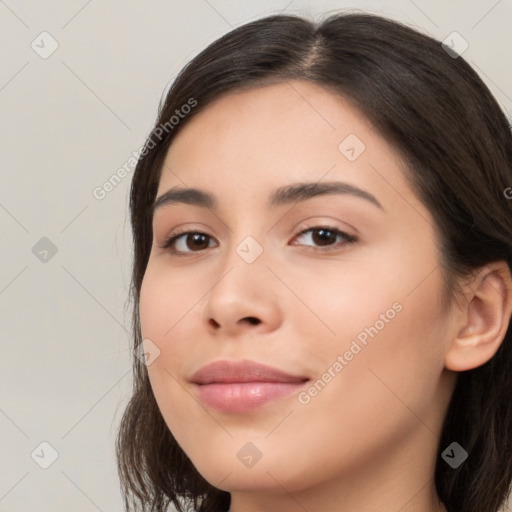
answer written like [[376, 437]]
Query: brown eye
[[186, 242], [196, 241], [326, 236]]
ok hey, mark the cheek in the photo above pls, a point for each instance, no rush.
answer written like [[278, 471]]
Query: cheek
[[170, 314], [388, 383], [344, 303], [387, 325], [166, 303], [350, 294], [164, 315]]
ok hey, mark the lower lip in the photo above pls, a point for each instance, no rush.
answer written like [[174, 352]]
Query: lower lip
[[244, 396]]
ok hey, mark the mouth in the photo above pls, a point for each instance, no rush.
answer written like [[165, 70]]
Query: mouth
[[240, 386]]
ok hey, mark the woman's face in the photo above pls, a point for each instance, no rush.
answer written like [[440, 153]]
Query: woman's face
[[359, 324]]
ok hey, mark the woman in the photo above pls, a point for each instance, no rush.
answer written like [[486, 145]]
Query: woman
[[321, 280]]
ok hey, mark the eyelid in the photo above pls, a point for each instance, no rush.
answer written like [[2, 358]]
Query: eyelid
[[325, 224]]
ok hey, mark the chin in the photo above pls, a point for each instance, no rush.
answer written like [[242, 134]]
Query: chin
[[242, 469]]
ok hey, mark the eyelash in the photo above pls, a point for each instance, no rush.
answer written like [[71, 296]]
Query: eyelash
[[173, 237]]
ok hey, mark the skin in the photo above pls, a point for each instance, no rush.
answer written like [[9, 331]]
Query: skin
[[368, 440]]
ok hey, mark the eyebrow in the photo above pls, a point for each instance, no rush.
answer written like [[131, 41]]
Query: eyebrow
[[282, 196]]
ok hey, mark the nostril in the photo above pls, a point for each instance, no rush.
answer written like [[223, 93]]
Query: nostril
[[252, 320]]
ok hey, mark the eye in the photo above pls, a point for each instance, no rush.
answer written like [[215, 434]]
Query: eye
[[325, 236], [179, 242]]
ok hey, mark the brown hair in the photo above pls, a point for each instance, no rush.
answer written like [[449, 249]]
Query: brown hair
[[457, 144]]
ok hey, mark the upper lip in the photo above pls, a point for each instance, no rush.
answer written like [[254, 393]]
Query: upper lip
[[242, 371]]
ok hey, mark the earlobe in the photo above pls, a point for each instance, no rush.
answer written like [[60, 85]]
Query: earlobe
[[487, 316]]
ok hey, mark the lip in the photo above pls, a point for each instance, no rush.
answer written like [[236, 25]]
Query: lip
[[243, 385]]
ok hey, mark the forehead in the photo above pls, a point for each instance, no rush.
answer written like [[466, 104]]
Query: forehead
[[245, 144], [291, 117]]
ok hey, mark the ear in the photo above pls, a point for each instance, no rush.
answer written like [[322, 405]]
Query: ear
[[483, 319]]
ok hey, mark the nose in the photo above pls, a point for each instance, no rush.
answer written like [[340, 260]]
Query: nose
[[244, 299]]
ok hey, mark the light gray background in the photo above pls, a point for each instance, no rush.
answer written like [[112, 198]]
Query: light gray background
[[68, 122]]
